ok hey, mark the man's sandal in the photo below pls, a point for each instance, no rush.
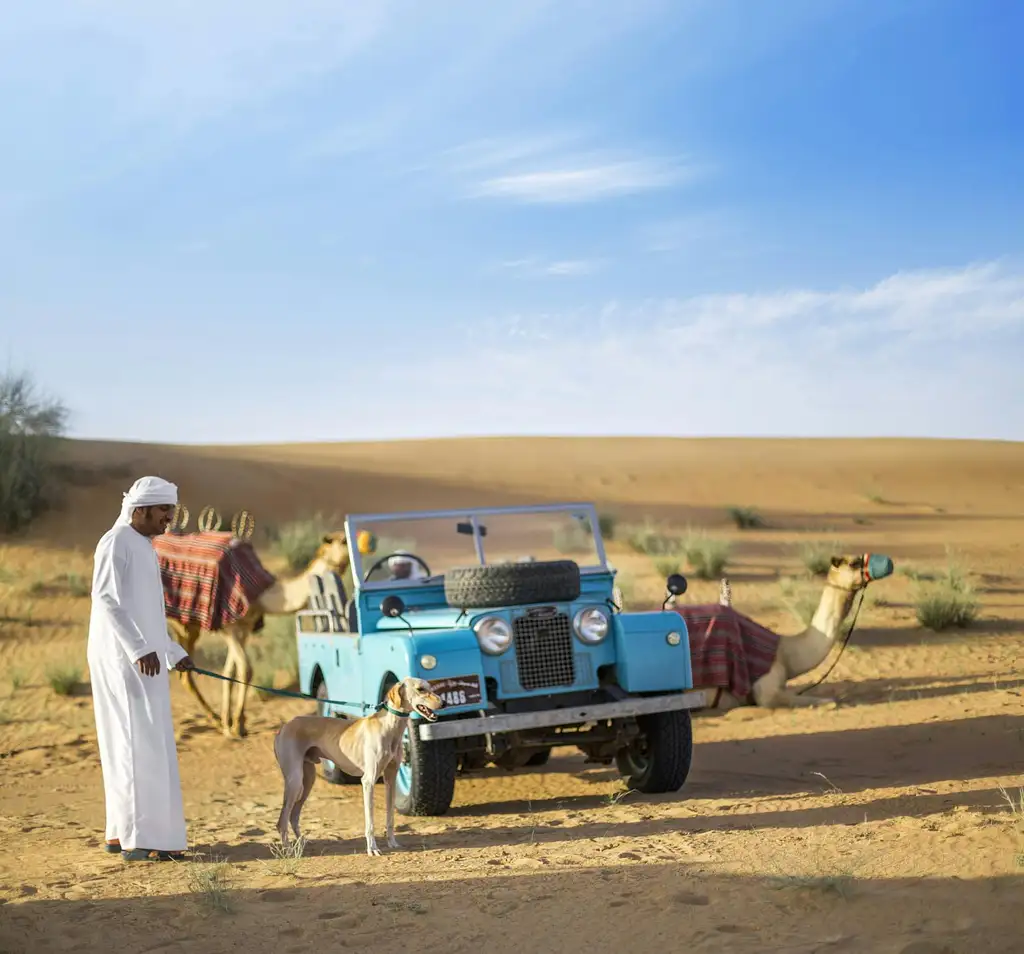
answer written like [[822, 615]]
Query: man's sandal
[[112, 847], [146, 854]]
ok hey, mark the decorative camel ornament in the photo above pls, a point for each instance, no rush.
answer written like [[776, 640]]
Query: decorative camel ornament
[[193, 568], [738, 662]]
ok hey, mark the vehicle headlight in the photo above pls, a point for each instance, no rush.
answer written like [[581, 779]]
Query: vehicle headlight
[[493, 634], [591, 624]]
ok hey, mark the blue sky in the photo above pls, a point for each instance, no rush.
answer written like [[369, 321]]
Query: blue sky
[[370, 220]]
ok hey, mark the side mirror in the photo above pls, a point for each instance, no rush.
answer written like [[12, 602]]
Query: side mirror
[[676, 584], [392, 606]]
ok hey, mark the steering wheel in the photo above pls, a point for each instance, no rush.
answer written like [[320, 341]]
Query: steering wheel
[[388, 556]]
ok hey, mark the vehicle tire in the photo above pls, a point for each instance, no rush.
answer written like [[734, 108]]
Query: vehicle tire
[[328, 769], [539, 758], [426, 778], [512, 584], [659, 760]]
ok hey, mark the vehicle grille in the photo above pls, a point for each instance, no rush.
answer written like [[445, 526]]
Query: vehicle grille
[[544, 651]]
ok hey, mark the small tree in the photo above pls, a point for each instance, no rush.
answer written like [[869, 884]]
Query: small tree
[[30, 425]]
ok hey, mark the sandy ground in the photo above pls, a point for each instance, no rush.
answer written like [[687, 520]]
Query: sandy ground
[[882, 825]]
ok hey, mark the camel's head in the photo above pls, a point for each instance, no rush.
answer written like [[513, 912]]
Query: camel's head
[[415, 695], [855, 572], [333, 550]]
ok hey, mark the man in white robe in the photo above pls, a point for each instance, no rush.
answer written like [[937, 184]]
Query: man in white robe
[[128, 641]]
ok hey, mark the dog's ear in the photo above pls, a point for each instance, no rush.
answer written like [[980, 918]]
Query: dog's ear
[[396, 697]]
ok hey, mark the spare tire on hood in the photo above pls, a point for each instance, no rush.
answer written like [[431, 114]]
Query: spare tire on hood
[[512, 584]]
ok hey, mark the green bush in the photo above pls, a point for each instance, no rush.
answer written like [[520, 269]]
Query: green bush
[[30, 427], [746, 518], [706, 556]]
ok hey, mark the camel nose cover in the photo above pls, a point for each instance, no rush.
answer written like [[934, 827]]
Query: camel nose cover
[[879, 566]]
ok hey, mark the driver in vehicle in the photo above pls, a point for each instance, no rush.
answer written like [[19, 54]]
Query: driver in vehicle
[[404, 568]]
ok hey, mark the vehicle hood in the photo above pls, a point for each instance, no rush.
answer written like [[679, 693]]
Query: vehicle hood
[[441, 618]]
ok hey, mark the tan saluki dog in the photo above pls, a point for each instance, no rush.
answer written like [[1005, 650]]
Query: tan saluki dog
[[369, 747]]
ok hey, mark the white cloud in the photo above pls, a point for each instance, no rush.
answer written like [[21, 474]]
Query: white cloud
[[567, 183], [565, 268], [931, 353]]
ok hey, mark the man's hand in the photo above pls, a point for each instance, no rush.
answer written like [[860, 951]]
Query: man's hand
[[185, 665], [149, 665]]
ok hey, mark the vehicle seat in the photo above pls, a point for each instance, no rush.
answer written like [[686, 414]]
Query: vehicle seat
[[337, 601], [318, 602]]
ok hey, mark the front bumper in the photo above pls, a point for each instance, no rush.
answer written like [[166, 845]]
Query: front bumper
[[492, 725]]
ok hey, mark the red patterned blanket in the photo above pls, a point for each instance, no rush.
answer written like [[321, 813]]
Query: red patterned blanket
[[727, 649], [209, 578]]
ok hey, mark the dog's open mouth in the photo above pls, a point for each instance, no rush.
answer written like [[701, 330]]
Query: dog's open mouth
[[427, 714]]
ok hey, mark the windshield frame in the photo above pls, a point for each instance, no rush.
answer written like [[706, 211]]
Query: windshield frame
[[472, 515]]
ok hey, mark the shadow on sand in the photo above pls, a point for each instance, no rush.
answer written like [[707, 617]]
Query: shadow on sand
[[661, 904]]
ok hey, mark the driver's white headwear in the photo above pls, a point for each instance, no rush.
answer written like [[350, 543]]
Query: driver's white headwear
[[400, 557]]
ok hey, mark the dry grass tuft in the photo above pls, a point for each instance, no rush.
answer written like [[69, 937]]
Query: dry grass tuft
[[210, 882]]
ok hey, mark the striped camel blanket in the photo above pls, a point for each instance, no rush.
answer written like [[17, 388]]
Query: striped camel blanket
[[727, 649], [209, 578]]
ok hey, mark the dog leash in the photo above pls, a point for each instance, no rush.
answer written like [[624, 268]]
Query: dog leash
[[285, 692]]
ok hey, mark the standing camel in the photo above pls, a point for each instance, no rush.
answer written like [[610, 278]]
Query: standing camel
[[283, 596], [738, 662]]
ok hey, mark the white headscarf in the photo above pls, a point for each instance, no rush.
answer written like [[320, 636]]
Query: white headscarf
[[147, 492]]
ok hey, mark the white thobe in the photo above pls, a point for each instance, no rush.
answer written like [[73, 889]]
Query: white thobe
[[134, 727]]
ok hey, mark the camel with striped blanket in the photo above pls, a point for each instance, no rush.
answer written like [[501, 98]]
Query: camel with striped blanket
[[235, 624], [738, 662]]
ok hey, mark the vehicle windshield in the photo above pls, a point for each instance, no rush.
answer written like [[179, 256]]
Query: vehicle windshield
[[443, 542]]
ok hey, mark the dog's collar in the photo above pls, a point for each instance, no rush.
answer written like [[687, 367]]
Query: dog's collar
[[397, 712]]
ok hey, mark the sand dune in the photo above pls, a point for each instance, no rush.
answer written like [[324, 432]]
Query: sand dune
[[878, 826]]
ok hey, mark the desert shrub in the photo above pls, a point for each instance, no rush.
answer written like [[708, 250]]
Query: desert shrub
[[666, 566], [942, 608], [573, 538], [63, 679], [746, 518], [606, 523], [30, 426], [274, 654], [816, 556], [651, 540], [706, 555], [77, 585], [948, 601], [298, 540]]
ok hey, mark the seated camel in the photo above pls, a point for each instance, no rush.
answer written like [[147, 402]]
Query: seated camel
[[738, 662]]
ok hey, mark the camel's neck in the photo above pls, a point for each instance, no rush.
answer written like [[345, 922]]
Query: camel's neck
[[292, 595], [802, 653]]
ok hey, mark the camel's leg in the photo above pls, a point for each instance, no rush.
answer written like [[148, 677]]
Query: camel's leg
[[770, 692], [237, 666], [308, 778], [242, 691], [229, 672], [188, 642]]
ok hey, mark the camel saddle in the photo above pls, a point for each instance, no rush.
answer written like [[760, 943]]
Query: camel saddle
[[209, 578], [727, 649]]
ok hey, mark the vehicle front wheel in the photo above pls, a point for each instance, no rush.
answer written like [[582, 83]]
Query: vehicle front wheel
[[426, 778], [328, 769], [659, 759]]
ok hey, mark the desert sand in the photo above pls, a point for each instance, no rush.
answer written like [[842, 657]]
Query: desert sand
[[882, 825]]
